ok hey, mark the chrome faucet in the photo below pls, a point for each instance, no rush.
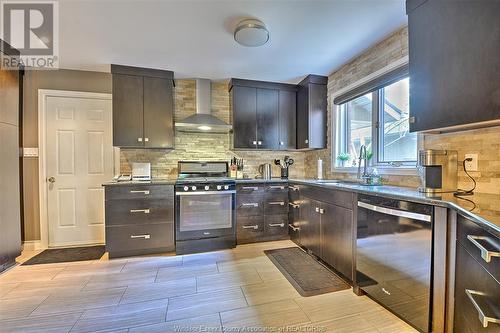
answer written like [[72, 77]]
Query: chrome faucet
[[363, 156]]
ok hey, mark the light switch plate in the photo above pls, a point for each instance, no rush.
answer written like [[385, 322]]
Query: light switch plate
[[30, 152], [472, 165]]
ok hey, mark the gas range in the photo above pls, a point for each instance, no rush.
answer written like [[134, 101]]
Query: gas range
[[203, 176], [205, 199]]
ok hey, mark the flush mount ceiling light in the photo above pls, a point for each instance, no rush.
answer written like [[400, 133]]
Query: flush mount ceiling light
[[251, 32]]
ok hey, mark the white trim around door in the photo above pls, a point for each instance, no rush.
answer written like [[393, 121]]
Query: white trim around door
[[43, 94]]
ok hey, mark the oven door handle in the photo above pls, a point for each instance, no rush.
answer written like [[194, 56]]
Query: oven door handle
[[204, 193], [396, 212]]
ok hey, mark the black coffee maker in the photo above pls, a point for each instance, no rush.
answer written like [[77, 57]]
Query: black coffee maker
[[287, 161]]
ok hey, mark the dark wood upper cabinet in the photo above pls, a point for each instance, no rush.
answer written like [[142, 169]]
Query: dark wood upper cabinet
[[263, 114], [128, 115], [287, 119], [244, 104], [267, 118], [142, 107], [454, 49], [158, 115], [311, 112]]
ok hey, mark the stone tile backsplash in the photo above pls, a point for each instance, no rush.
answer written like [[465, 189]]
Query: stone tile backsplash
[[204, 146]]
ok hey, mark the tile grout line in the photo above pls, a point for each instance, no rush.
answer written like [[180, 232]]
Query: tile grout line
[[76, 321], [244, 296], [220, 321]]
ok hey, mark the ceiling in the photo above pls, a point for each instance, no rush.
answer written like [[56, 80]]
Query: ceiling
[[194, 38]]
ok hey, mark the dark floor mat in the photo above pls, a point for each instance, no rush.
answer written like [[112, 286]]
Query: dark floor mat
[[51, 256], [305, 273]]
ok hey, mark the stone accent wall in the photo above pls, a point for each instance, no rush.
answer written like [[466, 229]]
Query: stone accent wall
[[204, 146], [484, 142], [389, 50]]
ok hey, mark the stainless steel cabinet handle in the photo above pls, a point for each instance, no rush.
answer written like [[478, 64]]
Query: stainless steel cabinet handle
[[277, 224], [294, 205], [485, 253], [145, 211], [281, 203], [294, 228], [146, 192], [140, 236], [139, 139], [484, 319], [254, 142], [293, 188], [250, 204], [277, 187], [253, 188], [259, 143], [317, 209], [321, 211], [255, 227], [395, 212]]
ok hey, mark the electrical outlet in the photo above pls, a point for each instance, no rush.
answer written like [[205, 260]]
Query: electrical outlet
[[472, 165]]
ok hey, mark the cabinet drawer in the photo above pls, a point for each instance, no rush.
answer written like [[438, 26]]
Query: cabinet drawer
[[138, 211], [473, 284], [131, 238], [276, 188], [276, 226], [480, 244], [249, 229], [139, 191], [332, 196], [276, 204], [249, 205], [249, 189]]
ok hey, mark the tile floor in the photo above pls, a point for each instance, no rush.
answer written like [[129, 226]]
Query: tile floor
[[232, 289]]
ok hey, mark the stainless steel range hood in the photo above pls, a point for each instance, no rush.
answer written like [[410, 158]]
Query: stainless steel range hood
[[203, 121]]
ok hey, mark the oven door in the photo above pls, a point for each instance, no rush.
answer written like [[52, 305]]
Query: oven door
[[394, 256], [205, 214]]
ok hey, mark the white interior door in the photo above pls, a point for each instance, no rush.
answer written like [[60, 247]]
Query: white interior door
[[79, 158]]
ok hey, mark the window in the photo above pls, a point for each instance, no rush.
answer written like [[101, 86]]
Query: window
[[380, 121]]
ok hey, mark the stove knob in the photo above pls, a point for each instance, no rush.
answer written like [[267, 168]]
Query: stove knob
[[207, 187], [219, 187], [226, 187], [193, 188], [186, 188]]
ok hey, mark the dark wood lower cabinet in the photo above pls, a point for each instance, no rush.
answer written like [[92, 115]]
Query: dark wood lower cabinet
[[476, 291], [337, 238], [321, 221], [261, 212], [477, 283], [310, 225], [139, 219]]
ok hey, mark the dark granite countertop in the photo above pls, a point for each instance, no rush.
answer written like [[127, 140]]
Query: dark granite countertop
[[150, 182], [483, 209], [258, 180]]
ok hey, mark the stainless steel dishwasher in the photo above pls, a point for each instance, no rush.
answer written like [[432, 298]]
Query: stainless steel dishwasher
[[394, 257]]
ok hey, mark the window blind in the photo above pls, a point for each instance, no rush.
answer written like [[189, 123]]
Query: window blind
[[372, 85]]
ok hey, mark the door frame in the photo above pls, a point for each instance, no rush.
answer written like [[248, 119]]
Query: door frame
[[43, 94]]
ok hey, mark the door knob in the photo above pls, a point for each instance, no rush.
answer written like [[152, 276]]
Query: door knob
[[51, 180]]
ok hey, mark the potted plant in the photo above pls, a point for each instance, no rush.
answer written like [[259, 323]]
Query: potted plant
[[343, 157]]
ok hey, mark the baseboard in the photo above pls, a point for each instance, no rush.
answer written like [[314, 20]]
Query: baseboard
[[32, 245]]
